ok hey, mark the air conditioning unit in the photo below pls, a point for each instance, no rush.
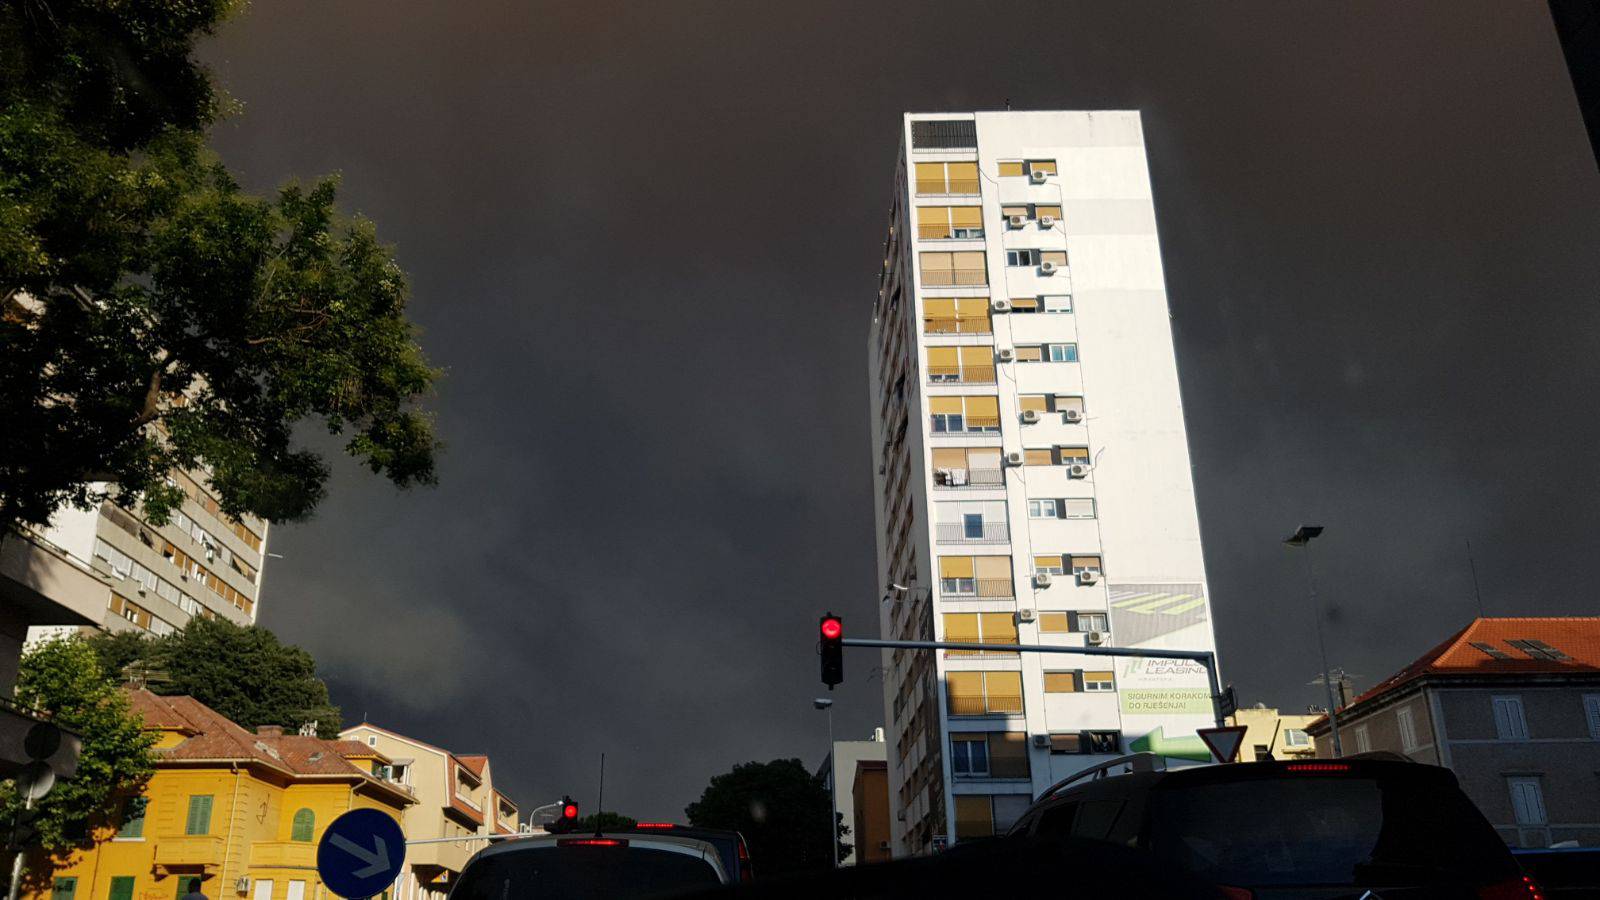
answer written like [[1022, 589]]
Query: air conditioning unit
[[242, 885], [1041, 579], [1006, 354], [1017, 221], [1088, 576], [1036, 176], [1014, 458], [1041, 741], [1073, 415], [1094, 638], [1047, 268], [1047, 221], [1077, 470], [1030, 416], [1000, 305], [1026, 615]]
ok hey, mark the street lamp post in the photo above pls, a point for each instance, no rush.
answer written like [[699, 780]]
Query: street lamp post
[[833, 784], [1302, 538]]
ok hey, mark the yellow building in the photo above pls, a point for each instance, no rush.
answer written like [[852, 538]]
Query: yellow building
[[1274, 735], [241, 812]]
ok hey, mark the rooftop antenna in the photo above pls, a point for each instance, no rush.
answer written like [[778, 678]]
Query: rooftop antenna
[[600, 800], [1473, 564], [1008, 104]]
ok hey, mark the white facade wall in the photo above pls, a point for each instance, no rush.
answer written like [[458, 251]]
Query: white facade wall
[[1146, 527]]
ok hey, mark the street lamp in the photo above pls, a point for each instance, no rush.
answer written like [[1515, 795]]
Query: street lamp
[[833, 784], [1302, 538]]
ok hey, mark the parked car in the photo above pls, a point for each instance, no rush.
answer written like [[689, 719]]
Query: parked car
[[605, 865], [1318, 828], [735, 852]]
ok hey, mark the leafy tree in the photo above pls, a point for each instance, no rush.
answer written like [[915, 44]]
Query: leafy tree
[[779, 807], [63, 677], [243, 672], [602, 821], [134, 270]]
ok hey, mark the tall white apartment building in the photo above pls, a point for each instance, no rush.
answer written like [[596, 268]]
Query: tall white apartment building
[[1033, 480]]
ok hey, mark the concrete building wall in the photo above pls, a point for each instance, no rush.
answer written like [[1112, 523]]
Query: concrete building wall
[[870, 806]]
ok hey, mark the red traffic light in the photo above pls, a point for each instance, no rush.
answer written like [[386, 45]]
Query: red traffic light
[[570, 811], [832, 628]]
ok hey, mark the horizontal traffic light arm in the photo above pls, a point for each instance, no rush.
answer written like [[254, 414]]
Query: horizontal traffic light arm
[[1203, 657]]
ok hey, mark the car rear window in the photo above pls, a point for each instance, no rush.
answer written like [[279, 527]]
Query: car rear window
[[1327, 830], [583, 872]]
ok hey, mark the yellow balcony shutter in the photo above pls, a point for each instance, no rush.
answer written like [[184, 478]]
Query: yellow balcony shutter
[[993, 567], [1048, 166], [933, 262], [974, 816], [966, 216], [1090, 562], [1054, 623], [1070, 455], [961, 627], [963, 177], [1030, 354], [972, 307], [939, 308], [1059, 257], [1025, 304], [933, 222], [930, 178], [1008, 754], [949, 458], [955, 567], [1003, 691], [1097, 676], [1041, 562], [1009, 211], [984, 458], [1060, 683], [1047, 211], [1038, 457], [942, 357], [981, 357], [968, 259], [965, 690], [999, 628], [983, 407], [1035, 402], [944, 406], [1011, 168]]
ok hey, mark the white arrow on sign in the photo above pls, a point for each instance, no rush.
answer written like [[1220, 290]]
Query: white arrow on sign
[[377, 859]]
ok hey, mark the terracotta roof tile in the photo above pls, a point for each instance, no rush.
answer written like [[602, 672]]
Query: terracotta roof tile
[[474, 762]]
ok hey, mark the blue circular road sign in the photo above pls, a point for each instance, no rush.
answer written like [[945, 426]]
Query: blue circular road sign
[[361, 853]]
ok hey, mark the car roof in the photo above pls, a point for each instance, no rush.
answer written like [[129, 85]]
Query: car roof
[[1213, 773], [667, 841]]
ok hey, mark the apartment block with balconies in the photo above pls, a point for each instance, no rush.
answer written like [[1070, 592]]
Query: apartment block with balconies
[[1033, 481]]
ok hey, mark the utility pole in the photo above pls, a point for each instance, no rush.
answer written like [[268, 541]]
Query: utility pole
[[833, 784], [1302, 539]]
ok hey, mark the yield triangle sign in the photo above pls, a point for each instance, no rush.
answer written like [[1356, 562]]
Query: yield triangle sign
[[1224, 741]]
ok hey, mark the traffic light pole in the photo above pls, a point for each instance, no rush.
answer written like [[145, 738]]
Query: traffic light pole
[[1204, 657]]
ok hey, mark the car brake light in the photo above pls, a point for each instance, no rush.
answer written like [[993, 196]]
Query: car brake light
[[591, 842], [1235, 893], [1318, 767], [1522, 888], [655, 825]]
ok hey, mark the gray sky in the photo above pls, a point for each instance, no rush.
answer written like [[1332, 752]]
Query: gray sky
[[643, 240]]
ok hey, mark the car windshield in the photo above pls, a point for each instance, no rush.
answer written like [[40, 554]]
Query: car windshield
[[1326, 831], [573, 873]]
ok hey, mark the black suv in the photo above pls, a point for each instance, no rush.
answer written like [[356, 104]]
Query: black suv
[[1319, 828]]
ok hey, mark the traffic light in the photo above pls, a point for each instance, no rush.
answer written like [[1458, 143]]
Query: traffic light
[[23, 831], [567, 817], [831, 647]]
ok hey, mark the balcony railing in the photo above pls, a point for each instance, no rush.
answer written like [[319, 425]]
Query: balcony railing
[[955, 277], [972, 478], [982, 654], [973, 533], [981, 588], [967, 325], [992, 705], [947, 186], [961, 374]]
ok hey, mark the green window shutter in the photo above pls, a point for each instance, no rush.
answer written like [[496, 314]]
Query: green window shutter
[[199, 815], [134, 810], [305, 822], [63, 888], [187, 883], [122, 888]]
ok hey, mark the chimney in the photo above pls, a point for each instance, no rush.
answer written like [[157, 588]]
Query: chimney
[[269, 730]]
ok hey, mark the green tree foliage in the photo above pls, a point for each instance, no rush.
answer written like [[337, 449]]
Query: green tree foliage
[[63, 677], [243, 672], [603, 821], [134, 269], [779, 807]]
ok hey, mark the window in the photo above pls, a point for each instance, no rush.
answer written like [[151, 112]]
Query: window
[[1262, 753], [199, 821], [297, 890], [1055, 622], [947, 178], [1056, 258], [944, 134], [1043, 509], [1059, 304], [1012, 169], [305, 822], [1047, 166], [1082, 564], [1024, 304], [974, 816], [186, 885], [1509, 722], [121, 888], [1061, 682], [1039, 403], [964, 415], [1062, 352], [1408, 729], [1038, 456], [965, 268], [936, 223], [1363, 740], [1078, 508], [1295, 737], [1033, 353], [1098, 682], [1591, 712], [956, 365], [134, 810], [1491, 651], [263, 889], [1026, 257], [1073, 456], [1093, 621], [1103, 741], [956, 315], [1527, 800], [975, 576], [969, 755], [984, 693], [1050, 563], [979, 628], [1019, 167], [63, 888], [967, 467], [1537, 649], [1066, 743], [1008, 754]]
